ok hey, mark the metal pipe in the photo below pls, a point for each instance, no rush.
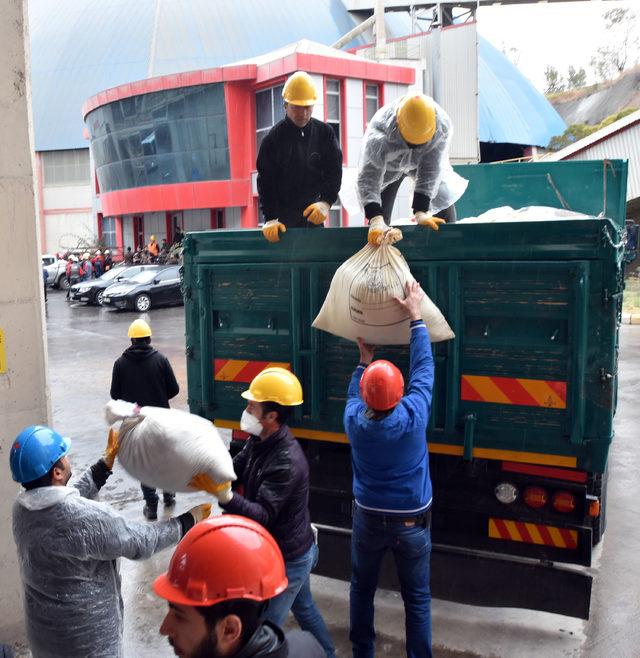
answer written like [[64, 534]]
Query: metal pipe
[[352, 34], [381, 30]]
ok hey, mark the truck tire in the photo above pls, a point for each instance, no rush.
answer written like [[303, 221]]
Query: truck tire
[[599, 488], [61, 282]]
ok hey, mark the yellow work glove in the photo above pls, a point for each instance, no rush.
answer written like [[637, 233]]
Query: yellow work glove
[[317, 213], [272, 229], [200, 512], [380, 233], [424, 219], [221, 491], [111, 450]]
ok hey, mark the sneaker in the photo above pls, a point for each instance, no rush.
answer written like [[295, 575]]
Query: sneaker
[[150, 512], [169, 500]]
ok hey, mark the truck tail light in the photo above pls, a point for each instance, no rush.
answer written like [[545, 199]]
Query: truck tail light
[[594, 508], [535, 497], [563, 501], [506, 492]]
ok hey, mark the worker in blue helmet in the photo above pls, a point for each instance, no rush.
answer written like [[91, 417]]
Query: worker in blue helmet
[[68, 545]]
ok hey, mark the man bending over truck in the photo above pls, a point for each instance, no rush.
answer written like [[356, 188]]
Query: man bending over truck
[[391, 484]]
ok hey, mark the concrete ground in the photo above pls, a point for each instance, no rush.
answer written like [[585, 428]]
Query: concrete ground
[[84, 342]]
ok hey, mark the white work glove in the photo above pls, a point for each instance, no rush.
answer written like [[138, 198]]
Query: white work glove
[[200, 512], [317, 213], [380, 233], [272, 229], [424, 219]]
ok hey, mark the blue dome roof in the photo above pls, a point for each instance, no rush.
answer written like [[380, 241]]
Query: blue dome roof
[[81, 48]]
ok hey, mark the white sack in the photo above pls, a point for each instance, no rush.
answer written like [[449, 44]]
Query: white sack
[[360, 301], [528, 213], [165, 448]]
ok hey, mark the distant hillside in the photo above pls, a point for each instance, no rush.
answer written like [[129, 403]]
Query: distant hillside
[[593, 104]]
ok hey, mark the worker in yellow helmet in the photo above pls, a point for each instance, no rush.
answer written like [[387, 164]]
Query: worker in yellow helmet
[[408, 137], [299, 163]]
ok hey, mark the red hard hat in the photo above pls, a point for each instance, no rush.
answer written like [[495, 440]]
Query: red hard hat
[[381, 385], [222, 558]]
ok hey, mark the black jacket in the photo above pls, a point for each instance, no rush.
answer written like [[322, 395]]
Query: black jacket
[[296, 167], [269, 641], [144, 376], [275, 475]]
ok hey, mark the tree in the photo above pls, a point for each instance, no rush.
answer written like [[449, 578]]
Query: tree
[[576, 79], [621, 49], [553, 80]]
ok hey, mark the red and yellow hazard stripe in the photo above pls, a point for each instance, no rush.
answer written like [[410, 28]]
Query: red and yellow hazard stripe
[[239, 370], [514, 390], [533, 533]]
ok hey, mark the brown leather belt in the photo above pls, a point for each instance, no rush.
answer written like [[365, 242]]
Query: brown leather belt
[[423, 519]]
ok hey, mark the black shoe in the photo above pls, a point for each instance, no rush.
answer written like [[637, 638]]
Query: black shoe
[[169, 500], [151, 512]]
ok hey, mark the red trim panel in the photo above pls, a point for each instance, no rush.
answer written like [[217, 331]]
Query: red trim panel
[[178, 196], [545, 471]]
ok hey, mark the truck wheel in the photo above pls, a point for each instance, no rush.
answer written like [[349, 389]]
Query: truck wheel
[[62, 282], [599, 488], [143, 303]]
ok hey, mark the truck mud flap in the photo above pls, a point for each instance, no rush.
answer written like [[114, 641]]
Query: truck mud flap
[[474, 577]]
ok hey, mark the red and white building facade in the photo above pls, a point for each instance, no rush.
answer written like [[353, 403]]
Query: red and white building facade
[[180, 150]]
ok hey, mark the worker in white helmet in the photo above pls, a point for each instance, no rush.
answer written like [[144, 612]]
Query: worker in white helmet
[[408, 137], [299, 164]]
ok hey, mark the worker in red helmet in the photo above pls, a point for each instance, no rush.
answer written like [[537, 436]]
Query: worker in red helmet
[[386, 427], [220, 580]]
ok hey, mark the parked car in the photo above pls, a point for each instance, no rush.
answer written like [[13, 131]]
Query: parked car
[[161, 287], [56, 270], [92, 290]]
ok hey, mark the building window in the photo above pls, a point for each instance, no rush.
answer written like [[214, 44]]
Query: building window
[[332, 101], [335, 216], [66, 167], [371, 100], [109, 232], [269, 110], [164, 137]]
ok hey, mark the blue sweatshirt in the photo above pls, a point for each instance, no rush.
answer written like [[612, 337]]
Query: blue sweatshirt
[[389, 456]]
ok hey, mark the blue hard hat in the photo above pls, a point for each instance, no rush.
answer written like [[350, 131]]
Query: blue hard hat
[[35, 450]]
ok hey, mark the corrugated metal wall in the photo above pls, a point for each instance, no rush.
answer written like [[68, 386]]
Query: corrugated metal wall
[[625, 145], [458, 71]]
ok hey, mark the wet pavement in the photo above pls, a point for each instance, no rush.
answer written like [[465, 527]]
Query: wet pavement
[[85, 341]]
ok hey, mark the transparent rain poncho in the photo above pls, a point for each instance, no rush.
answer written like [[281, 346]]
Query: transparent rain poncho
[[385, 158], [67, 546]]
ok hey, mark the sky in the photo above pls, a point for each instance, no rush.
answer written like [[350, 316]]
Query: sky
[[557, 34]]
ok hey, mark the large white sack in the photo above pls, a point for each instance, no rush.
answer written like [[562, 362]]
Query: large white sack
[[165, 448], [360, 301]]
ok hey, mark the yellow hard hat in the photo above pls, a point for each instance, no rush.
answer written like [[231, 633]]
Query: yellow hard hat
[[416, 117], [275, 385], [139, 329], [153, 238], [299, 89]]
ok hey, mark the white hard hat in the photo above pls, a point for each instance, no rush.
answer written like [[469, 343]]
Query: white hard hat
[[98, 252], [106, 251]]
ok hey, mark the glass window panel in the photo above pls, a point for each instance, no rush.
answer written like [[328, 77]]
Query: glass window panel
[[333, 85], [135, 144], [372, 108], [199, 165], [372, 91], [217, 133], [152, 169], [214, 100], [260, 135], [194, 100], [148, 139], [167, 166], [175, 109], [336, 130], [264, 113], [219, 159], [333, 107], [163, 138]]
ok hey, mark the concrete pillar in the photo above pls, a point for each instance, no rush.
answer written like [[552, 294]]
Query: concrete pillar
[[24, 391]]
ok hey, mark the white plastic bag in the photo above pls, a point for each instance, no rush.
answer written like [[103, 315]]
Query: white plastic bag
[[360, 301], [165, 448]]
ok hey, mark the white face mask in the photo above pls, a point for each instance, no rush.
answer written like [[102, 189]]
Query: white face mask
[[250, 424]]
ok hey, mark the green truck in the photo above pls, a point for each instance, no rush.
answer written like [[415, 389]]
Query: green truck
[[524, 396]]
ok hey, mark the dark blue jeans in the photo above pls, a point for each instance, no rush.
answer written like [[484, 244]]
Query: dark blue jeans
[[151, 497], [372, 535], [298, 598]]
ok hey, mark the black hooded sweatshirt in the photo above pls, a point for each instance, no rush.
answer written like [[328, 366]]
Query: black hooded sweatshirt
[[269, 641], [144, 376]]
